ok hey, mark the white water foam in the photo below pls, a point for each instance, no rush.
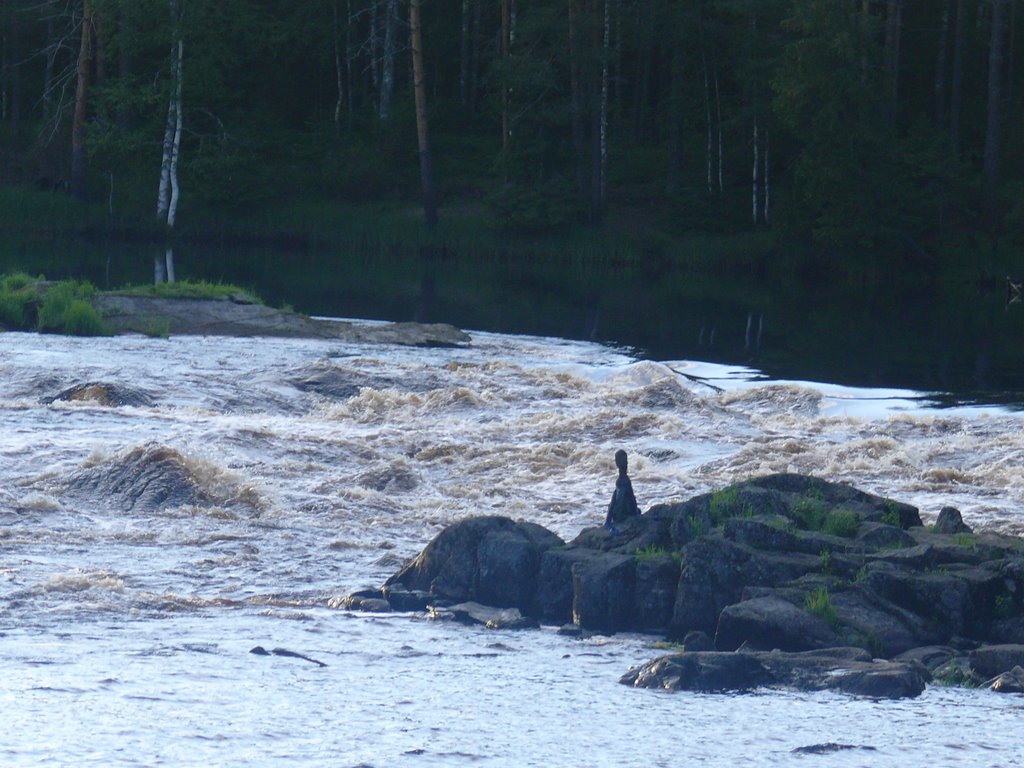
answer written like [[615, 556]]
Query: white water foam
[[124, 627]]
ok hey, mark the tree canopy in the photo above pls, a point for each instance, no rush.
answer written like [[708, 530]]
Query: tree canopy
[[847, 124]]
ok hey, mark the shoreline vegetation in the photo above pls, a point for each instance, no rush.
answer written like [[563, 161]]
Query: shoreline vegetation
[[76, 308]]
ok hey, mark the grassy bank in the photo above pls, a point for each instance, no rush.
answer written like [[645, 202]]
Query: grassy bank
[[35, 304]]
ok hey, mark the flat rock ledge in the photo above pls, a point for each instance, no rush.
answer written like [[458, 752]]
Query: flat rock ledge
[[760, 582], [240, 316]]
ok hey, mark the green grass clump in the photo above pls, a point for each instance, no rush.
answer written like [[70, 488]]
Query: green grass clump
[[726, 503], [652, 552], [192, 289], [67, 308], [17, 300], [818, 603], [841, 522], [811, 514]]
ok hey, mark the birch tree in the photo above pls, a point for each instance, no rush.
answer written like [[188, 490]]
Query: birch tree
[[168, 192], [387, 75]]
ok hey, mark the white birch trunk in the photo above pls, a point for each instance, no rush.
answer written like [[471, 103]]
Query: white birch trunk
[[718, 109], [172, 208], [387, 74], [169, 190], [767, 187], [707, 109], [757, 161]]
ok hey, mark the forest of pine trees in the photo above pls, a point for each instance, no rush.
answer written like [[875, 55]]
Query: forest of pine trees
[[865, 124]]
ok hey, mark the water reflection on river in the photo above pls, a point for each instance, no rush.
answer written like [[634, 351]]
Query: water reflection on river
[[959, 338]]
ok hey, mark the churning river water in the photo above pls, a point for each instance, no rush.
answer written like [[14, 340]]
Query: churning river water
[[239, 487]]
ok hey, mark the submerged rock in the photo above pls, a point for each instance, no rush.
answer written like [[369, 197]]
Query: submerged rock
[[145, 479], [102, 393], [842, 670]]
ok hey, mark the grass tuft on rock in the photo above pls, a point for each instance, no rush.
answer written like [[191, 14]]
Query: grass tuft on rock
[[194, 289]]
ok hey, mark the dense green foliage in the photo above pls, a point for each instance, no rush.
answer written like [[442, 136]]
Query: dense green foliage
[[34, 304], [852, 126]]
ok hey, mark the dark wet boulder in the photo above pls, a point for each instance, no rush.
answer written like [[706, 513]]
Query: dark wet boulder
[[708, 671], [492, 560], [603, 592], [715, 573], [931, 657], [402, 599], [941, 598], [657, 577], [1011, 681], [991, 660], [839, 670], [488, 616], [884, 536], [950, 521], [102, 393], [1009, 630], [767, 623]]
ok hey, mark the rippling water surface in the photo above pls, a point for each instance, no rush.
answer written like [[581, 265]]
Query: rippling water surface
[[239, 485]]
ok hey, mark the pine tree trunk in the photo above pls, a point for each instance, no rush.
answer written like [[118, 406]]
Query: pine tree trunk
[[893, 41], [52, 47], [605, 59], [422, 130], [941, 64], [506, 43], [464, 55], [85, 62], [675, 137], [995, 94], [957, 78], [576, 106]]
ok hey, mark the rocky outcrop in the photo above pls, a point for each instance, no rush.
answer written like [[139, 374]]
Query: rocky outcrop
[[851, 671], [785, 564], [490, 560], [240, 315]]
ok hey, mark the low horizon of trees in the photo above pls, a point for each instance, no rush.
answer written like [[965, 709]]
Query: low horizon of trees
[[849, 124]]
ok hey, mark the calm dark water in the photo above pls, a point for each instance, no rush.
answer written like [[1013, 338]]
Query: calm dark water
[[960, 341]]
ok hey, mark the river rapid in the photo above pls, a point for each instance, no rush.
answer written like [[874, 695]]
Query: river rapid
[[314, 468]]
